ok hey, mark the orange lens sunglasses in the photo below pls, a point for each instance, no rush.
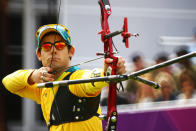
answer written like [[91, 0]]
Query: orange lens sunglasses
[[59, 45]]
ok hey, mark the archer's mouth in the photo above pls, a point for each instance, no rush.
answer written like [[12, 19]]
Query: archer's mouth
[[53, 59]]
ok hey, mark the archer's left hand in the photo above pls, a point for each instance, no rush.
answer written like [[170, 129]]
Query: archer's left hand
[[121, 68]]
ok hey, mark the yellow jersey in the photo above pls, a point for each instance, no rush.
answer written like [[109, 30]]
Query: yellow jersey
[[17, 83]]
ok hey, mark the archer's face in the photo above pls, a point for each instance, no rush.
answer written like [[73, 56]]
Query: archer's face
[[54, 58]]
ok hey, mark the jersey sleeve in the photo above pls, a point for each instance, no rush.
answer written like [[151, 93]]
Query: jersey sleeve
[[87, 89], [17, 83]]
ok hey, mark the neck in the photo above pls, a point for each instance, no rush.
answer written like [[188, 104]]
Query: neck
[[58, 72], [57, 75]]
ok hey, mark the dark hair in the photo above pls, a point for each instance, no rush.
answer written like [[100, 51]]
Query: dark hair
[[163, 56], [136, 58], [182, 51]]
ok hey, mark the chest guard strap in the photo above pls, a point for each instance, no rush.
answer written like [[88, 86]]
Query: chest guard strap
[[70, 108]]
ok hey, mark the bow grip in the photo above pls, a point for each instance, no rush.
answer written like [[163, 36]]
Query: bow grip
[[112, 66]]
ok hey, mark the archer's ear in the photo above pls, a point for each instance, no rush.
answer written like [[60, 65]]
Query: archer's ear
[[38, 55], [71, 51]]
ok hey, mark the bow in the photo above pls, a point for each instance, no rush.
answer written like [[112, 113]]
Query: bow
[[106, 37]]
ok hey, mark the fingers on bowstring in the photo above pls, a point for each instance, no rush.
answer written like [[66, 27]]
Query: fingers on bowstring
[[45, 75], [46, 69]]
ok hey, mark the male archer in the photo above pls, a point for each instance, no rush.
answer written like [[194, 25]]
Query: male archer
[[65, 108]]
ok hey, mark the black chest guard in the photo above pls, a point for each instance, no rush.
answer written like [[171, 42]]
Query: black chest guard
[[70, 108]]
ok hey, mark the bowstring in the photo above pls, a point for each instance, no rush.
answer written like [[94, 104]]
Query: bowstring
[[81, 63], [55, 102]]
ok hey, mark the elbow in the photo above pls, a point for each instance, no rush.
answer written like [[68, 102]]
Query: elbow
[[7, 83], [4, 81]]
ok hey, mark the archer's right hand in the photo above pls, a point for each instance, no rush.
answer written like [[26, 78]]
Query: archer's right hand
[[41, 75]]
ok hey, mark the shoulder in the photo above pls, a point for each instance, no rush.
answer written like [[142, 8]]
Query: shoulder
[[97, 72]]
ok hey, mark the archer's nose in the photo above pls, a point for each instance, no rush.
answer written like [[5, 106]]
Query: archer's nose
[[53, 50]]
